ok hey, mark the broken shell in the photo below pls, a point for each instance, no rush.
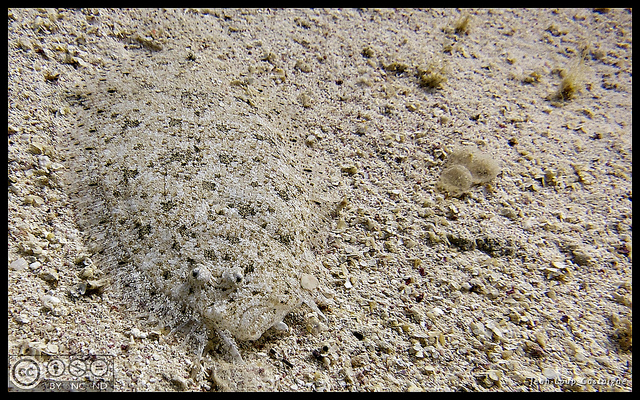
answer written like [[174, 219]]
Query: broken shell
[[78, 289]]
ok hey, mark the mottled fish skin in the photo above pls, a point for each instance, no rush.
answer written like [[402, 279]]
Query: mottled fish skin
[[176, 179]]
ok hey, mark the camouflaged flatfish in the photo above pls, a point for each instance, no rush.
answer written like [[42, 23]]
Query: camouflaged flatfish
[[176, 179]]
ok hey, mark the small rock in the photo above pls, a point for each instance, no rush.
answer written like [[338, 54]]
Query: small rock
[[428, 370], [302, 66], [478, 329], [179, 383], [35, 266], [309, 282], [413, 388], [37, 148], [349, 169], [409, 243], [580, 357], [87, 272], [51, 349], [96, 286], [147, 42], [314, 325], [49, 301], [51, 75], [311, 140], [23, 318], [56, 166], [360, 360], [34, 200], [528, 224], [305, 100], [581, 257], [154, 335], [509, 212], [138, 334], [368, 52], [44, 162], [19, 264], [281, 326], [494, 375], [550, 373], [416, 349], [534, 349], [23, 44], [437, 311], [493, 327], [49, 276], [604, 361], [83, 259]]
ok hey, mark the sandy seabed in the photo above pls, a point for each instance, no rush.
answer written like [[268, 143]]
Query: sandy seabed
[[520, 283]]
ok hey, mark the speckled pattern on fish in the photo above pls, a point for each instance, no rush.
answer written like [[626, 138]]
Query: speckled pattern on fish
[[199, 195]]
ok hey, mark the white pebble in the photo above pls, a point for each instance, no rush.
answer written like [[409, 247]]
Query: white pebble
[[19, 264], [281, 326], [50, 301], [136, 333], [438, 311], [550, 373], [309, 282]]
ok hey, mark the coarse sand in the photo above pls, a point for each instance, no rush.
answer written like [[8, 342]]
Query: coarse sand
[[481, 239]]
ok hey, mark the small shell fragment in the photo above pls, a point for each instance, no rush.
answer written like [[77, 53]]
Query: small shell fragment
[[78, 289]]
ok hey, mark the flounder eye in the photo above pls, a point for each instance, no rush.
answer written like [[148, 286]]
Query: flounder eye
[[200, 275], [232, 277]]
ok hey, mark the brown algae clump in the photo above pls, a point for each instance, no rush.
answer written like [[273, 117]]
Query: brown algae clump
[[466, 167], [572, 81], [433, 75], [456, 179]]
